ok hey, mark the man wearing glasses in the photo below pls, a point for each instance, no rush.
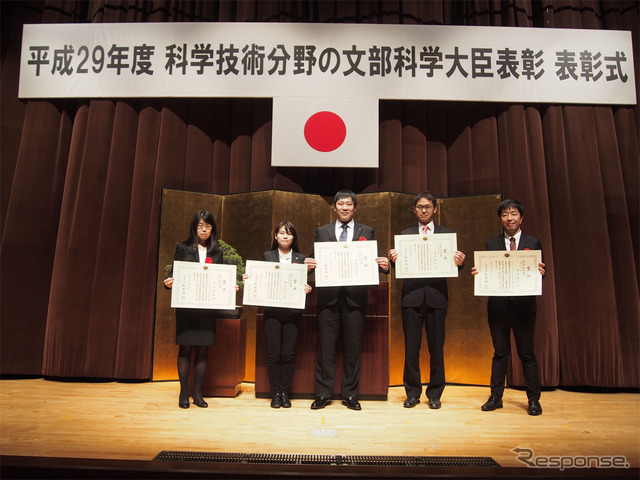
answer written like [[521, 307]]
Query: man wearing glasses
[[424, 302]]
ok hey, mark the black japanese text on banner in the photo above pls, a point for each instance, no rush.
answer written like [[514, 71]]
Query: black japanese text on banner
[[423, 62]]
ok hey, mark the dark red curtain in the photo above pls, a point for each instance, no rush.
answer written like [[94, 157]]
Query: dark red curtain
[[81, 182]]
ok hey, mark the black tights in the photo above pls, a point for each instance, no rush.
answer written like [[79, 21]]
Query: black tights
[[199, 369]]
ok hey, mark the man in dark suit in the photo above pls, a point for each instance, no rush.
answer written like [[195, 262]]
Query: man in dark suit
[[341, 306], [424, 302], [513, 313]]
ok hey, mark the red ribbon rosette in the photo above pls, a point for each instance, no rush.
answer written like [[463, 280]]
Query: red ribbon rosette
[[208, 260], [362, 239]]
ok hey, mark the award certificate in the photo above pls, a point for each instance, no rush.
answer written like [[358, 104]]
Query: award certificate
[[273, 284], [426, 256], [508, 273], [346, 263], [203, 285]]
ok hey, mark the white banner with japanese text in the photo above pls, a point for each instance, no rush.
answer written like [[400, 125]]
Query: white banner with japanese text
[[421, 62]]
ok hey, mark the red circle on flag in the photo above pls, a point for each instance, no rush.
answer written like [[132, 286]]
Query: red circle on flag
[[325, 131]]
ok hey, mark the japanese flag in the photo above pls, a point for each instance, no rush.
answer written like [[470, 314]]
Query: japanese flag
[[325, 132]]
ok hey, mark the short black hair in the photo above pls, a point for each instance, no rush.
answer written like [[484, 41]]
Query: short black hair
[[510, 203], [428, 195], [345, 194]]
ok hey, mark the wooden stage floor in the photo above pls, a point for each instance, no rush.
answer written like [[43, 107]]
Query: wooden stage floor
[[65, 425]]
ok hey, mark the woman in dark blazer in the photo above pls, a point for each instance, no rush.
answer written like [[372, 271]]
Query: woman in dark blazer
[[195, 327], [281, 324]]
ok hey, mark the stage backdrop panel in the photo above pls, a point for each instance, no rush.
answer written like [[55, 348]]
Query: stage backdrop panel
[[246, 221], [474, 219]]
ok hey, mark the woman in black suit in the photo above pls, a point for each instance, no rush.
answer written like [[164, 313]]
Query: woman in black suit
[[195, 327], [281, 324]]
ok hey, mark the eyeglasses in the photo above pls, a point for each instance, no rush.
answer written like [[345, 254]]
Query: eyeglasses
[[204, 226], [425, 208]]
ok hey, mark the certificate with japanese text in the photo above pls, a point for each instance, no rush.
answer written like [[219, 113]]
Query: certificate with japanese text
[[426, 256], [273, 284], [346, 263], [203, 285], [508, 273]]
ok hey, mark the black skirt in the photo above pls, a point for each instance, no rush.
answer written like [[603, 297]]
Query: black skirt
[[195, 326]]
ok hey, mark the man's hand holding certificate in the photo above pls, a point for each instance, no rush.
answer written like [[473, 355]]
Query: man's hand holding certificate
[[274, 284], [346, 263], [426, 256], [203, 285], [508, 273]]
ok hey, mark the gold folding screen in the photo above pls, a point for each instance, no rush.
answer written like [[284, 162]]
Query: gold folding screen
[[246, 222]]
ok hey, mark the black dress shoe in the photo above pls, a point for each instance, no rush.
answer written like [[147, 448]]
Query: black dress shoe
[[284, 399], [320, 402], [534, 408], [434, 403], [492, 404], [276, 401], [200, 403], [411, 402], [351, 403], [183, 404]]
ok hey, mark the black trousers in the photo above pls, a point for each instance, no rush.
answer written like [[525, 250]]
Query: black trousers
[[433, 320], [331, 320], [523, 324], [281, 333]]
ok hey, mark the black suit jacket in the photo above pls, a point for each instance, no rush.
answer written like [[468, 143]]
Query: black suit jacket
[[521, 304], [274, 256], [433, 291], [356, 296], [185, 254]]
